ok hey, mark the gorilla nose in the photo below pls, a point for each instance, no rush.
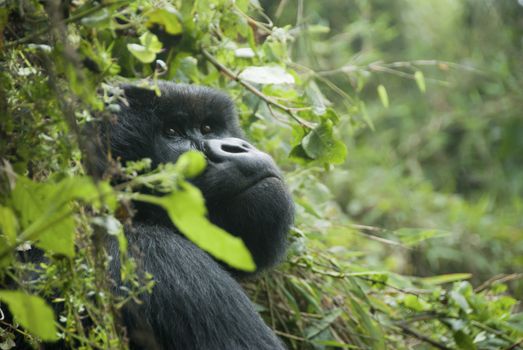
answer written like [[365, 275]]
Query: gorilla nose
[[220, 150]]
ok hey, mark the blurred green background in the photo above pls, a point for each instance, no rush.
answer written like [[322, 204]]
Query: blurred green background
[[444, 164]]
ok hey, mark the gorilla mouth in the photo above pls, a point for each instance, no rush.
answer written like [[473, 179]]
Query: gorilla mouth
[[255, 183]]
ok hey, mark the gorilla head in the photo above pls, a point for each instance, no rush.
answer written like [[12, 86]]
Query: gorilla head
[[243, 188]]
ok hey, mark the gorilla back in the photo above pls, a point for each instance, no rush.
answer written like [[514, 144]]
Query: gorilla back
[[195, 303]]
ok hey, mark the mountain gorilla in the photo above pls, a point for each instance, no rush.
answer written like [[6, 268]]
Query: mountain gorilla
[[195, 303]]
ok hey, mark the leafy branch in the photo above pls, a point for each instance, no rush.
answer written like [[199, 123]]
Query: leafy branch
[[230, 74], [72, 19]]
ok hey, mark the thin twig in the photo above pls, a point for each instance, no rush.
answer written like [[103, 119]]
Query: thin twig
[[360, 228], [516, 345], [423, 338], [348, 68], [269, 100], [290, 336], [498, 279], [497, 332]]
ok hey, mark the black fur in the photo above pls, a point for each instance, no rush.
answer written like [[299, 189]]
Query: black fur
[[195, 303]]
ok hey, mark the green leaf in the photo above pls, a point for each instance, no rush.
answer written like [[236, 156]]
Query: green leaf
[[151, 42], [146, 52], [168, 17], [32, 312], [100, 19], [27, 201], [3, 18], [186, 208], [460, 300], [413, 236], [322, 324], [266, 75], [191, 164], [8, 225], [316, 98], [321, 144], [442, 279], [420, 80], [368, 324], [384, 96], [45, 214], [8, 230], [81, 187], [141, 53], [516, 322], [365, 115], [415, 303], [57, 233], [464, 341]]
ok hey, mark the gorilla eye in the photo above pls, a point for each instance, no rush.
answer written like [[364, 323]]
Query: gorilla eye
[[205, 129], [171, 132]]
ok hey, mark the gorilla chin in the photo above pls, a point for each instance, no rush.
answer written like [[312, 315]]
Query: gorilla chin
[[265, 235]]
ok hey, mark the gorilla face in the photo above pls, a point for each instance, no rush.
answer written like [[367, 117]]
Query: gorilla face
[[244, 190]]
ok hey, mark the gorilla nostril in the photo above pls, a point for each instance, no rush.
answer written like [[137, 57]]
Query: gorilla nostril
[[233, 148]]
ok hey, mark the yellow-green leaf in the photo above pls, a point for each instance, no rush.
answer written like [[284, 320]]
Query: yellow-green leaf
[[168, 17], [146, 52], [141, 53], [8, 225], [420, 80], [46, 216], [57, 233], [415, 303], [191, 164], [151, 42], [32, 312], [186, 208], [441, 279], [384, 96], [321, 144]]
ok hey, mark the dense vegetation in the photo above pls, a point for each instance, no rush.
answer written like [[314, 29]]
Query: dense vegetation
[[397, 124]]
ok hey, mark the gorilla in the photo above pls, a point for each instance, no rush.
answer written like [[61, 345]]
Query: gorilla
[[196, 302]]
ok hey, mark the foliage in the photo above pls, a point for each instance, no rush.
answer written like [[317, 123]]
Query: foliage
[[446, 154], [342, 285]]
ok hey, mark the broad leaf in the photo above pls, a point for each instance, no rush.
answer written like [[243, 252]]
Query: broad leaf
[[321, 144], [168, 17], [186, 208], [46, 215], [141, 53], [266, 75], [32, 312], [57, 233], [146, 52], [8, 224]]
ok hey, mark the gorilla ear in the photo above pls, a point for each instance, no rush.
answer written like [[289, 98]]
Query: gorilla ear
[[138, 96]]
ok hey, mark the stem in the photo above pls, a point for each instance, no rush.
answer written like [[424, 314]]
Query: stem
[[408, 331], [269, 100]]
